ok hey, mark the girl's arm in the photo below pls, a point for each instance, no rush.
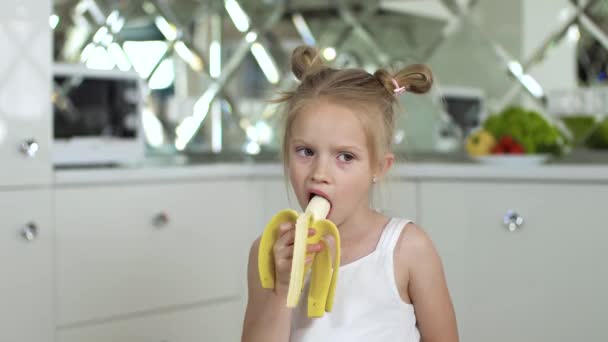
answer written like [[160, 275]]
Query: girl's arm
[[427, 287], [267, 319]]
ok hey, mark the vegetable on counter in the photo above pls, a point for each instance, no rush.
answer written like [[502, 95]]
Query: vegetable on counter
[[581, 126], [528, 129], [507, 145], [599, 137], [480, 143]]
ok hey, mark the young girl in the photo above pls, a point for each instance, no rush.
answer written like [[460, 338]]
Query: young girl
[[337, 143]]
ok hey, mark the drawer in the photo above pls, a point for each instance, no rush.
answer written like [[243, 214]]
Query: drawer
[[132, 249], [217, 322]]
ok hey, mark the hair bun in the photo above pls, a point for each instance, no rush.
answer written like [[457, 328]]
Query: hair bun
[[418, 78], [305, 60], [415, 78]]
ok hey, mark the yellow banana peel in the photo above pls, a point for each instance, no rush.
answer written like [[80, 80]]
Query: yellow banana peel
[[324, 275]]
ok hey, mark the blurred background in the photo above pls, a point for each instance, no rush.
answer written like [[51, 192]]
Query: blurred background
[[139, 158], [208, 68]]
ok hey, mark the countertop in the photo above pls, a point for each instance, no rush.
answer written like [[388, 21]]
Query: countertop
[[418, 170]]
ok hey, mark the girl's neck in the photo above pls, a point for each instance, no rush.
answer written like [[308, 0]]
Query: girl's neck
[[362, 226]]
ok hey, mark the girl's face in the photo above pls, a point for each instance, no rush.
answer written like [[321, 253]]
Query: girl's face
[[329, 156]]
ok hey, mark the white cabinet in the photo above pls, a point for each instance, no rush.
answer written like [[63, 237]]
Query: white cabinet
[[26, 231], [198, 324], [26, 288], [25, 98], [397, 198], [544, 281], [276, 195], [131, 251]]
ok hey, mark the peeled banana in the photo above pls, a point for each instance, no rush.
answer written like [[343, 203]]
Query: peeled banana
[[324, 276]]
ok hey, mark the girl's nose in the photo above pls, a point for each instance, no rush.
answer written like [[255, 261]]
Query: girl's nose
[[319, 173], [318, 177]]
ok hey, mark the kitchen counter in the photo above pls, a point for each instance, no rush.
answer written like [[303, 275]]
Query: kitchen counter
[[154, 172]]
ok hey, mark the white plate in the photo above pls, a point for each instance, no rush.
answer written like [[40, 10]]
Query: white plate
[[513, 159]]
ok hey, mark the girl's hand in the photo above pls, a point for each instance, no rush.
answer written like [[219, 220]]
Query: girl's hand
[[283, 254]]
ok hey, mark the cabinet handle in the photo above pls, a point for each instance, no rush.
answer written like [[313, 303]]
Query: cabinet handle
[[513, 220], [161, 219], [29, 231], [29, 148]]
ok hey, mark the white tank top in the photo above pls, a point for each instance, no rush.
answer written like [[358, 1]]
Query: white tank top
[[367, 305]]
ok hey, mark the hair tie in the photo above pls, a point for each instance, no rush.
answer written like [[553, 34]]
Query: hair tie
[[398, 90]]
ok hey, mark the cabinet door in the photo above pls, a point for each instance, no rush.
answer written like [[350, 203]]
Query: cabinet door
[[26, 288], [128, 251], [276, 195], [25, 98], [543, 281], [191, 324], [396, 198]]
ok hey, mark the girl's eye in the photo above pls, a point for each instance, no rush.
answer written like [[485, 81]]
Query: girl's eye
[[304, 151], [346, 157]]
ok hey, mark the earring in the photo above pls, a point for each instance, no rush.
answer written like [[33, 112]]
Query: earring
[[374, 179]]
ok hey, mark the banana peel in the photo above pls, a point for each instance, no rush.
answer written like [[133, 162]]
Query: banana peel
[[324, 273]]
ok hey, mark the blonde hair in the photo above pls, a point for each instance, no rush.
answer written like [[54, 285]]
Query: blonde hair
[[370, 96]]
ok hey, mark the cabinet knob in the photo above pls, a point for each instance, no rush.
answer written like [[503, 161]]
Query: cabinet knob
[[29, 147], [29, 231], [512, 220], [161, 219]]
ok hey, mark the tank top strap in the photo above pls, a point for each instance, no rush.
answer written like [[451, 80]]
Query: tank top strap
[[390, 234]]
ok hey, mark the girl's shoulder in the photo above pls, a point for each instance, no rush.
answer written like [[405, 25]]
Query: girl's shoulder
[[415, 259], [414, 237], [423, 283], [414, 247]]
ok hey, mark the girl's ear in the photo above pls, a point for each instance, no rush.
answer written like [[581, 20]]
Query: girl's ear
[[385, 164]]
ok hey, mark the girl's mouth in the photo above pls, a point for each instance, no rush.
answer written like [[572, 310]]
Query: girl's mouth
[[314, 193]]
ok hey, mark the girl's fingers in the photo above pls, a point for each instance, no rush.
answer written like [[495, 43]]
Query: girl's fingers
[[286, 239], [285, 227], [315, 247]]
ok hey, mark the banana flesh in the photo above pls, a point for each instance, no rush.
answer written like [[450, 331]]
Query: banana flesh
[[318, 207], [324, 273]]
